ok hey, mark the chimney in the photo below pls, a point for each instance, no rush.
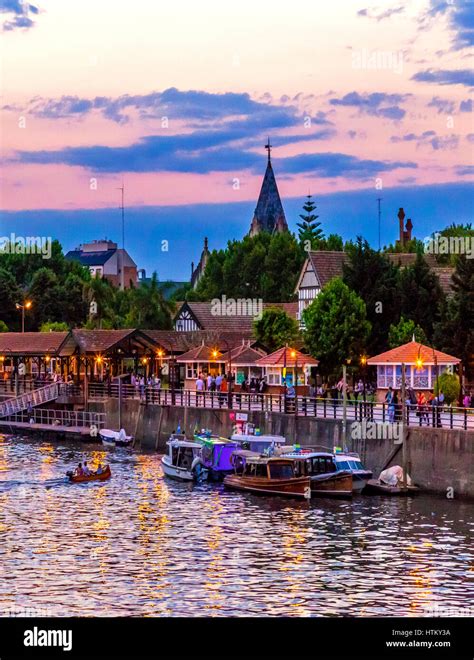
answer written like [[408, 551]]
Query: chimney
[[401, 218], [408, 227]]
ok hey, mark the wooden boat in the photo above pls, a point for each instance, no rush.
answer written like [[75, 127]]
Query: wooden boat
[[183, 460], [350, 462], [271, 476], [376, 487], [115, 438], [78, 479], [320, 468]]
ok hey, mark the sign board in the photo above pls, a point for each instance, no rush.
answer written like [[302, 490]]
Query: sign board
[[241, 417], [21, 369], [165, 369]]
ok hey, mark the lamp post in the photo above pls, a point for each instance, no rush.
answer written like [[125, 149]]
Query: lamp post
[[26, 305]]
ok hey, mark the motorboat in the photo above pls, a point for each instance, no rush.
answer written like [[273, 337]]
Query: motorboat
[[320, 468], [115, 438], [262, 444], [183, 460], [350, 462], [216, 454], [255, 473]]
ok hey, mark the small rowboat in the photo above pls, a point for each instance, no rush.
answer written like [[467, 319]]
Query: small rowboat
[[78, 479]]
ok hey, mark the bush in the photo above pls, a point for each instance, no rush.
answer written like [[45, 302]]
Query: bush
[[449, 385]]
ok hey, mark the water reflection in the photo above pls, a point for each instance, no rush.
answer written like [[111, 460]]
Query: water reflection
[[143, 545]]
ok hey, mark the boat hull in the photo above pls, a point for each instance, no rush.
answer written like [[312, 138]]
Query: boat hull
[[337, 484], [92, 477], [175, 472], [360, 480], [295, 487], [376, 487]]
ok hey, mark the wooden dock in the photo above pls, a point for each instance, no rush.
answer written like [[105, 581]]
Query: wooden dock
[[51, 431]]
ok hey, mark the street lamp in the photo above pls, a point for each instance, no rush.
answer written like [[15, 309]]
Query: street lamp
[[363, 363], [26, 305]]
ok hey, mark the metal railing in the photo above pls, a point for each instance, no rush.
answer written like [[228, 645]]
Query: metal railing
[[33, 398], [301, 406], [66, 418]]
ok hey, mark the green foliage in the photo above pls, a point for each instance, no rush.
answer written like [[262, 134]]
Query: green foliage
[[336, 326], [464, 232], [415, 245], [3, 326], [454, 332], [309, 231], [372, 276], [403, 332], [275, 328], [420, 294], [55, 326], [448, 384], [147, 307], [264, 266]]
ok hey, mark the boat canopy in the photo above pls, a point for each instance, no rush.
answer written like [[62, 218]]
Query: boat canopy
[[308, 454], [183, 443], [241, 437]]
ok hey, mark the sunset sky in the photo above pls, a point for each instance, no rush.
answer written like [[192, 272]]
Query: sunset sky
[[177, 100]]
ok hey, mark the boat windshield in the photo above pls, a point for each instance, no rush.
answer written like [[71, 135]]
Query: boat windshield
[[281, 471], [349, 465]]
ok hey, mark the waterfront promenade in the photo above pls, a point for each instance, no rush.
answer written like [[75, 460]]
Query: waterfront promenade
[[301, 406]]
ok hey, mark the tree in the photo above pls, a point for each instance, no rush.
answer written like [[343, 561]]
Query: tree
[[264, 266], [309, 230], [372, 276], [3, 326], [10, 294], [454, 332], [336, 326], [403, 332], [148, 308], [55, 326], [99, 296], [420, 294], [275, 328], [450, 386]]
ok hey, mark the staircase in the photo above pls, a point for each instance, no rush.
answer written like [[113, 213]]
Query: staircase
[[35, 398]]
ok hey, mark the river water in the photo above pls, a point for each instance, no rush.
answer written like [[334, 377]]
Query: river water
[[142, 544]]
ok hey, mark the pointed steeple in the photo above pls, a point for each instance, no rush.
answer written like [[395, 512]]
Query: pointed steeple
[[269, 214]]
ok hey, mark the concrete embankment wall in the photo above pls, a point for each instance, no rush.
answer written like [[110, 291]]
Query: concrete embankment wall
[[438, 459]]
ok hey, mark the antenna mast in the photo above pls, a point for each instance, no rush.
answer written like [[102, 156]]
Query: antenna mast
[[379, 199]]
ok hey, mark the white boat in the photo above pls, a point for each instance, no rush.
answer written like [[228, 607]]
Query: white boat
[[350, 461], [262, 444], [183, 460], [115, 438]]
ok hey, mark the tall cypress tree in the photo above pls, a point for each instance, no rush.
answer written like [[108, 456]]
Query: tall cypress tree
[[309, 231]]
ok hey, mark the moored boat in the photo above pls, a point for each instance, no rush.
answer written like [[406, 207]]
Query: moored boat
[[320, 468], [350, 462], [270, 476], [216, 454], [94, 476], [390, 482], [183, 460], [262, 444], [115, 438]]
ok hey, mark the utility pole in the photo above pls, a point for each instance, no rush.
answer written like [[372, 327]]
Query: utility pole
[[403, 431], [344, 406], [379, 199]]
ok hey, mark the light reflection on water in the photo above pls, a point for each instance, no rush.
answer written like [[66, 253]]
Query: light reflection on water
[[141, 544]]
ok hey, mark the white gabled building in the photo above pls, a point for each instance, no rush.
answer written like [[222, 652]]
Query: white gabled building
[[320, 267]]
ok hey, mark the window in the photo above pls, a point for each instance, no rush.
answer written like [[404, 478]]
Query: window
[[273, 376], [281, 471], [191, 370], [385, 375]]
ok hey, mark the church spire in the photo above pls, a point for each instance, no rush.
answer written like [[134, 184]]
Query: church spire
[[269, 214]]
